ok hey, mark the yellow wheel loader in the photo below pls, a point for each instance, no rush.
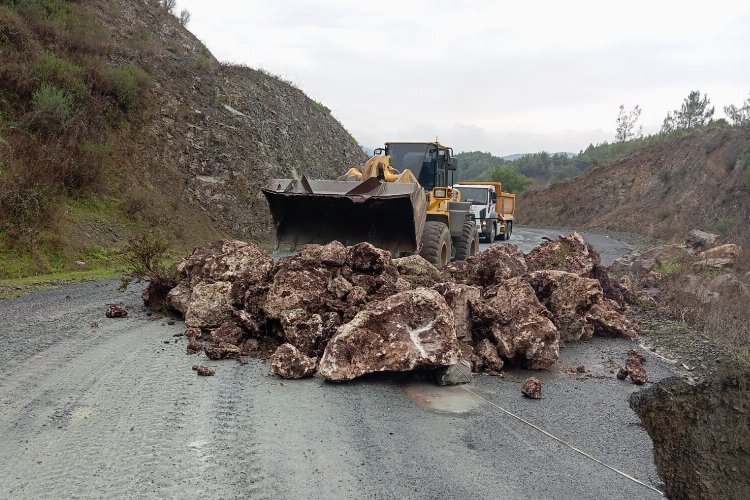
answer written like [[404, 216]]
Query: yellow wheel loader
[[402, 200]]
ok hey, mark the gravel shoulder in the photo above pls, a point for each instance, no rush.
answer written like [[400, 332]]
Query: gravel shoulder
[[92, 407]]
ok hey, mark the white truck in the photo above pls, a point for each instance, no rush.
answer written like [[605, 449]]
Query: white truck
[[492, 209]]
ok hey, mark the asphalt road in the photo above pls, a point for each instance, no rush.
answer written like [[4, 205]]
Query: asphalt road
[[92, 407]]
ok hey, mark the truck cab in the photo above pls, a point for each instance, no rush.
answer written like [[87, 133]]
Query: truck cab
[[491, 208]]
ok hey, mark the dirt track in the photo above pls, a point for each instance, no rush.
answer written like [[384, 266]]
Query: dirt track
[[114, 411]]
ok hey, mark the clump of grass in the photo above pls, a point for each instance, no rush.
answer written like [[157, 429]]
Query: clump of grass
[[127, 85], [54, 109], [670, 266]]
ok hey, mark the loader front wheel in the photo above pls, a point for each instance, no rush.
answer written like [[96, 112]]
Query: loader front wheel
[[468, 245], [436, 244]]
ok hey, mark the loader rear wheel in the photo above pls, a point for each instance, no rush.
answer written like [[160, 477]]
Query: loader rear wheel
[[436, 244], [468, 245]]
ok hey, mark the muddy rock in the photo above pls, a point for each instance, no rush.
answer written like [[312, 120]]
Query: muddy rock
[[622, 373], [339, 287], [407, 331], [210, 305], [296, 285], [634, 367], [204, 371], [289, 362], [606, 320], [194, 346], [364, 257], [302, 329], [532, 388], [154, 296], [568, 297], [116, 311], [222, 350], [460, 373], [356, 296], [229, 333], [487, 353], [521, 327], [417, 271], [458, 298], [567, 253], [331, 255], [226, 261], [620, 290], [700, 433], [497, 263], [178, 297]]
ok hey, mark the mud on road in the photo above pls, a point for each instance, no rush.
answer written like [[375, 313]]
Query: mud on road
[[110, 408]]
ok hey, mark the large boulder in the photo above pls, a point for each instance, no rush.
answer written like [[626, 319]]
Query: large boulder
[[332, 254], [407, 331], [210, 305], [568, 297], [497, 263], [727, 251], [567, 253], [364, 257], [226, 261], [606, 320], [178, 297], [289, 362], [510, 314], [698, 240], [458, 298], [417, 270], [297, 284], [302, 329]]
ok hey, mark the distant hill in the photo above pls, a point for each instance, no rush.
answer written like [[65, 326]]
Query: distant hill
[[521, 155]]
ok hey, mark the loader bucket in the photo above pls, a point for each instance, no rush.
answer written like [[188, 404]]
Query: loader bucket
[[388, 215]]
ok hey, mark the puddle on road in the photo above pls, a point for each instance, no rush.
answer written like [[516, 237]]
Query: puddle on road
[[452, 399]]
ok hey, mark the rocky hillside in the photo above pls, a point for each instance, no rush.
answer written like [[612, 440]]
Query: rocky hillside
[[113, 116], [700, 180]]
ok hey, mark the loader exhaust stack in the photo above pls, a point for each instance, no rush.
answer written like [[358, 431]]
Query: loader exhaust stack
[[388, 215]]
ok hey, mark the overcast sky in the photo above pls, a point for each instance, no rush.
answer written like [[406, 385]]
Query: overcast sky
[[498, 76]]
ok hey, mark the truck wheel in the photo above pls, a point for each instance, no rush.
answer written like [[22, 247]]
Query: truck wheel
[[436, 244], [493, 234], [509, 231], [468, 245]]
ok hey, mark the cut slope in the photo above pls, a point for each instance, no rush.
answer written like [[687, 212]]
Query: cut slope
[[699, 180]]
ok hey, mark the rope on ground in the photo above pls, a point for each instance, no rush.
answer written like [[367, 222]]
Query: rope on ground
[[564, 443]]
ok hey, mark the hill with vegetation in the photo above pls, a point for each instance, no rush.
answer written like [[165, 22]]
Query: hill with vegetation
[[697, 179], [115, 119]]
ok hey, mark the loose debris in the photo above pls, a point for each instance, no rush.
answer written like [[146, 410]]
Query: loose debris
[[116, 311], [532, 388], [204, 371], [349, 311], [634, 368]]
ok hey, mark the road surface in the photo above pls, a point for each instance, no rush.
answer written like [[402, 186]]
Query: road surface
[[92, 407]]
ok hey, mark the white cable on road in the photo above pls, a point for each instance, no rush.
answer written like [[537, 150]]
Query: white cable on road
[[564, 443]]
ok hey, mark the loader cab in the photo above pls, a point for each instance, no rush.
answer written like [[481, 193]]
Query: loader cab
[[430, 162]]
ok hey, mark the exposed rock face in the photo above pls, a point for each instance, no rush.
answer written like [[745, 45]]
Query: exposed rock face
[[289, 362], [711, 419], [407, 331], [567, 253], [511, 315], [497, 263], [699, 240], [459, 298], [116, 311], [532, 388], [210, 305], [568, 297], [417, 271]]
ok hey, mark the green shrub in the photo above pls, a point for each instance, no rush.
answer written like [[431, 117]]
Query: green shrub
[[126, 85], [54, 109], [723, 224], [24, 204], [669, 266], [62, 73]]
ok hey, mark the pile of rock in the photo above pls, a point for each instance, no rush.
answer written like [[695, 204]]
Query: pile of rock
[[348, 311]]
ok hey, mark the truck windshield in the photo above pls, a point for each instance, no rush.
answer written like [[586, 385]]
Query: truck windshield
[[417, 158], [476, 195]]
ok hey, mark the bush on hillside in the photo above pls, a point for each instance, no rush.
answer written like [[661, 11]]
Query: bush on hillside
[[53, 110], [126, 85]]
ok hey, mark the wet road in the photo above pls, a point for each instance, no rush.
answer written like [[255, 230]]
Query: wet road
[[109, 408]]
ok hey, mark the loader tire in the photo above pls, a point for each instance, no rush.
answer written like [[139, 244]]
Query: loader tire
[[468, 245], [436, 244]]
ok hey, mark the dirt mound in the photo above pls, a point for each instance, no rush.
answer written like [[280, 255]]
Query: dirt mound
[[355, 310], [662, 191], [700, 433]]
